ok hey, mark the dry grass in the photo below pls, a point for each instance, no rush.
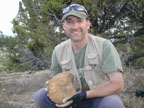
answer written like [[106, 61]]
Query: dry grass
[[134, 79], [22, 86], [17, 89]]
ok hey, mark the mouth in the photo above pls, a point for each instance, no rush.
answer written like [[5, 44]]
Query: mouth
[[75, 33]]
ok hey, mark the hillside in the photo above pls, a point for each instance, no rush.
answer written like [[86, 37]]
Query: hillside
[[17, 89], [134, 79]]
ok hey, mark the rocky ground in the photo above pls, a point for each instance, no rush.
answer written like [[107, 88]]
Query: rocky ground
[[134, 80], [17, 89]]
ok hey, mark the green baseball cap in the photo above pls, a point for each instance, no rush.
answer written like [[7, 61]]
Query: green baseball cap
[[75, 10]]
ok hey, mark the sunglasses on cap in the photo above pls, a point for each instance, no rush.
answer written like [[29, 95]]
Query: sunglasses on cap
[[75, 7]]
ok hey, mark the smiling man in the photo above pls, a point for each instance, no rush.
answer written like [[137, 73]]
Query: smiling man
[[93, 61]]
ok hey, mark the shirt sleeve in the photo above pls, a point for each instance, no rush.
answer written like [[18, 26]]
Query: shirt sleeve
[[55, 67], [110, 59]]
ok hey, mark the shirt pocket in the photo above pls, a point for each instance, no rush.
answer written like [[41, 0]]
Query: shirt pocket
[[91, 70], [66, 65], [92, 60]]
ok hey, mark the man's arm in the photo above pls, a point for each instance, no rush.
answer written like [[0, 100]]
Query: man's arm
[[115, 86], [111, 64]]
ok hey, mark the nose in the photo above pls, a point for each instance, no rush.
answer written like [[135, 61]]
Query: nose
[[75, 25]]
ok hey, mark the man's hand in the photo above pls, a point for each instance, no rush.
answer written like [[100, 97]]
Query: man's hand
[[65, 104], [77, 97], [73, 99]]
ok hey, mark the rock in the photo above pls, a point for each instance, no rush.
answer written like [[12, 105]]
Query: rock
[[60, 87]]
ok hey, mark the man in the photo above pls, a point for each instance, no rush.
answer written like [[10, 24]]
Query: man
[[93, 60]]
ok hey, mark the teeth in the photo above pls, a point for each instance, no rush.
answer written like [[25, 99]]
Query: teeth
[[75, 32]]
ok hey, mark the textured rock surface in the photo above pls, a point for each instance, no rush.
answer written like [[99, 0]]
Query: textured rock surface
[[61, 86]]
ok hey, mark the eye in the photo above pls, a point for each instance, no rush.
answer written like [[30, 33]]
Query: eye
[[68, 21], [80, 20]]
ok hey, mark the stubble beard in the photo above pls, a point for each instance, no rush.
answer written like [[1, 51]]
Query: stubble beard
[[77, 37]]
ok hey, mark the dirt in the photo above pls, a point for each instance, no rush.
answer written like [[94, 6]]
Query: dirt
[[134, 80], [17, 89]]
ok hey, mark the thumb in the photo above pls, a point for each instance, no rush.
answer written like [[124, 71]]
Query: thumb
[[65, 104], [66, 99], [69, 98]]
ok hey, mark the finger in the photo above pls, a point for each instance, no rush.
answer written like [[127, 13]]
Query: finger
[[66, 99], [47, 82], [69, 98], [65, 104], [46, 89]]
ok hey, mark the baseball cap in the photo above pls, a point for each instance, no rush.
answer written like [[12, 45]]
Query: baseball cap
[[75, 10]]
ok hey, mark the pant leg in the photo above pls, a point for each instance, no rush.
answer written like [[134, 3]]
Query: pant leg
[[42, 100], [112, 101]]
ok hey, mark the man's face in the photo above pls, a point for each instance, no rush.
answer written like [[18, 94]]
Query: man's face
[[75, 28]]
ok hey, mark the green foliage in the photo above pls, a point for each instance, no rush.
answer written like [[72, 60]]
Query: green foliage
[[37, 21], [36, 30], [9, 62], [137, 48], [11, 66]]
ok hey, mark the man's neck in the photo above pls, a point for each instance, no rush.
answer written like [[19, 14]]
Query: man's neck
[[77, 46]]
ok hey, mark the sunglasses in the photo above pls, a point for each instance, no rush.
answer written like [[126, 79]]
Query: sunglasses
[[76, 8]]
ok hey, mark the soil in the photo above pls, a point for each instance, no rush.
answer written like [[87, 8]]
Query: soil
[[17, 89]]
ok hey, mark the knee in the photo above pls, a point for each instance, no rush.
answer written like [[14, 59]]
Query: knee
[[39, 96], [113, 101], [42, 100]]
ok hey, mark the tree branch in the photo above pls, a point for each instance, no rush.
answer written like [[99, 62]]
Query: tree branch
[[139, 33], [130, 59], [55, 17], [36, 63]]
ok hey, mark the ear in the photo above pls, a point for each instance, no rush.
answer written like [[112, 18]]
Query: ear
[[63, 26], [88, 24]]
